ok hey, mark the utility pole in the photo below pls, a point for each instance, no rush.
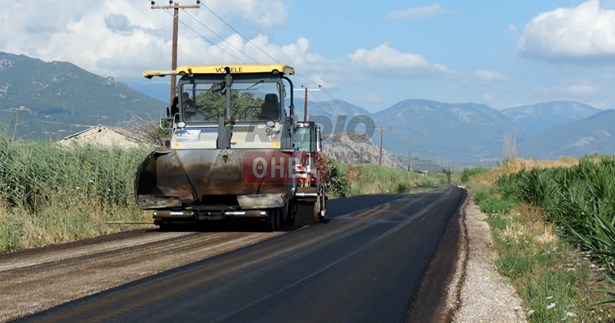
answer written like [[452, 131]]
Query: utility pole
[[437, 160], [409, 143], [381, 135], [425, 162], [305, 100], [175, 6], [22, 108]]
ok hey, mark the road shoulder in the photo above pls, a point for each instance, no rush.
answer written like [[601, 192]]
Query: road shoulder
[[478, 293]]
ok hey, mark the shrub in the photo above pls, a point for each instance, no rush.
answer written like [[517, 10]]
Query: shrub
[[468, 173], [337, 183]]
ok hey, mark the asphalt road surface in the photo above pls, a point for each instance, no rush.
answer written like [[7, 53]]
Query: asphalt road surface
[[365, 264]]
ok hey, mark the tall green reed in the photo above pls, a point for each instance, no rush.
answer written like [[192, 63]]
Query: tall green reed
[[61, 193]]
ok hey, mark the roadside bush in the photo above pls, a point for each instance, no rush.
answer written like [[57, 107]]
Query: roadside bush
[[376, 179], [468, 173], [489, 201], [337, 183]]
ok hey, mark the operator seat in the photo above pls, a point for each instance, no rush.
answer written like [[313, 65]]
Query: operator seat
[[270, 109]]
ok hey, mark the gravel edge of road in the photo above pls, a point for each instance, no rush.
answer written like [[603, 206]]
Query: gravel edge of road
[[477, 292]]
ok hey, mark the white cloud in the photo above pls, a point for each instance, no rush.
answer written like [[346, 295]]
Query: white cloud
[[415, 12], [122, 38], [582, 88], [383, 59], [488, 76], [585, 31]]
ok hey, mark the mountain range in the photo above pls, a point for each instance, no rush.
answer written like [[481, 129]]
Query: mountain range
[[55, 99], [470, 133], [592, 135], [536, 118], [51, 100]]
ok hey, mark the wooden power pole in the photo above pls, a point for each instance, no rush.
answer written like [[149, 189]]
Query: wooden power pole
[[425, 162], [381, 135], [305, 100], [175, 6], [409, 143]]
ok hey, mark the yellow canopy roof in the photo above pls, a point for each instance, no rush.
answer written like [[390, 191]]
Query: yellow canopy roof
[[221, 69]]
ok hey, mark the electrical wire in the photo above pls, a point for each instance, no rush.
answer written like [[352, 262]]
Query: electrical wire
[[220, 37], [205, 38], [248, 41]]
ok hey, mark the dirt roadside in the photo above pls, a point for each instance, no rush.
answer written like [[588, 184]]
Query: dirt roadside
[[478, 293], [463, 267]]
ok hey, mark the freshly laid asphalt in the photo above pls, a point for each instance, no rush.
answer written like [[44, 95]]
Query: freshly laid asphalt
[[364, 264]]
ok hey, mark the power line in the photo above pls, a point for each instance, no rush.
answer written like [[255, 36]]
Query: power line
[[221, 38], [213, 43], [240, 34], [329, 94], [329, 105], [209, 41], [248, 41]]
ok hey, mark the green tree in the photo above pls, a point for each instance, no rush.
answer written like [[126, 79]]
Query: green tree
[[244, 106]]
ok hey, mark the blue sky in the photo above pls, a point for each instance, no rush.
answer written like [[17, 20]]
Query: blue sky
[[369, 53]]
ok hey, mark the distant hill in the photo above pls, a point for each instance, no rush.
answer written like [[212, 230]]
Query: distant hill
[[60, 98], [535, 118], [466, 133], [457, 132], [595, 134], [56, 99], [331, 111]]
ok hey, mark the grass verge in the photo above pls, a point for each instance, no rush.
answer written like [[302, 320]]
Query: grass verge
[[376, 179], [555, 279]]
